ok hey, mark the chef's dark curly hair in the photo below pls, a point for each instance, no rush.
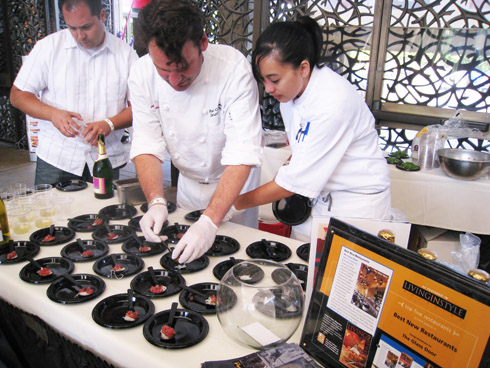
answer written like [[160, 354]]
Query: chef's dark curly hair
[[170, 23], [95, 6], [291, 42]]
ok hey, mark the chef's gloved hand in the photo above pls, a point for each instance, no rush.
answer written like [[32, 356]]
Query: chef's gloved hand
[[151, 223], [196, 240], [231, 213]]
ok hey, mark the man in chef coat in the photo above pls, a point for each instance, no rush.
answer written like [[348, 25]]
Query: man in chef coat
[[199, 102]]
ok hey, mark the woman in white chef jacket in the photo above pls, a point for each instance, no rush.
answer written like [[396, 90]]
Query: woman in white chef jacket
[[335, 161]]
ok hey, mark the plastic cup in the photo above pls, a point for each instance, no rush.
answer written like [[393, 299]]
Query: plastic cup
[[44, 211], [63, 207], [20, 221]]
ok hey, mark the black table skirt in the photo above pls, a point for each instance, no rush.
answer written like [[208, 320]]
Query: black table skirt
[[26, 341]]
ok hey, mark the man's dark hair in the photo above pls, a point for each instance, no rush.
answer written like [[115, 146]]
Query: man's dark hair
[[170, 23], [95, 6]]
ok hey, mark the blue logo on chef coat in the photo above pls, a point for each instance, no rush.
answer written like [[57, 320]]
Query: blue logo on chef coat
[[302, 132]]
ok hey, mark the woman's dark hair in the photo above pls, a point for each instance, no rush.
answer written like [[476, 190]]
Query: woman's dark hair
[[291, 42], [95, 6], [170, 23]]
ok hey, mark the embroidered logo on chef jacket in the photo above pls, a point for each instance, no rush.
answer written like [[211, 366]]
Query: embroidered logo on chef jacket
[[214, 112], [154, 107], [302, 132]]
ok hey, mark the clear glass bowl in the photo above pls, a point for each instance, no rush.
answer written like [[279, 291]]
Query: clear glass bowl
[[259, 303]]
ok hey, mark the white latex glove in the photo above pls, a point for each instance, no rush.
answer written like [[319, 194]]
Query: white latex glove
[[151, 223], [232, 213], [196, 240]]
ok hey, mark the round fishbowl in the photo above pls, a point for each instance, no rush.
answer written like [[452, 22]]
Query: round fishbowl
[[259, 303]]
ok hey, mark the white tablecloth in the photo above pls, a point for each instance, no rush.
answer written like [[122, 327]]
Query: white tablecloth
[[427, 197], [129, 348]]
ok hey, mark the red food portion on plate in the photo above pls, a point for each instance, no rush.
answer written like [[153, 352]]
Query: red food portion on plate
[[158, 289], [118, 267], [167, 332], [131, 316], [179, 235], [144, 249], [211, 300], [12, 255], [87, 254], [86, 291], [97, 222], [48, 238], [111, 236], [45, 271]]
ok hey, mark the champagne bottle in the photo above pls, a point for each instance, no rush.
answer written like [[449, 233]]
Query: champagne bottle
[[103, 186], [4, 224]]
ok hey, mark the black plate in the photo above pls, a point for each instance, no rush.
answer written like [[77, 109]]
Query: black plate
[[72, 185], [268, 249], [134, 223], [22, 248], [118, 211], [171, 280], [63, 291], [57, 265], [293, 210], [223, 245], [73, 251], [174, 232], [132, 264], [123, 233], [62, 235], [248, 273], [197, 303], [85, 223], [171, 207], [221, 268], [399, 166], [271, 303], [194, 215], [303, 252], [196, 265], [281, 275], [131, 246], [110, 312], [190, 329]]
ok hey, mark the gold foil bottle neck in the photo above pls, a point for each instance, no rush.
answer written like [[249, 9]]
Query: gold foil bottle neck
[[479, 275], [427, 254], [101, 149], [387, 235]]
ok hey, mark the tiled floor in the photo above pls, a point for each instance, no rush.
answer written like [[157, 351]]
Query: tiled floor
[[16, 167]]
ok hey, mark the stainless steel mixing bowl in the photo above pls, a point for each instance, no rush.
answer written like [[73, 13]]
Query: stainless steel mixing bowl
[[464, 164]]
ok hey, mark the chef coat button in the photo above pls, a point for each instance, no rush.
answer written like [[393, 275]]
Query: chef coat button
[[202, 139], [176, 156], [204, 111], [171, 133], [166, 107], [203, 164]]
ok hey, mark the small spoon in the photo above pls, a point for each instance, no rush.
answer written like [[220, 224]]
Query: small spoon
[[153, 277], [130, 300]]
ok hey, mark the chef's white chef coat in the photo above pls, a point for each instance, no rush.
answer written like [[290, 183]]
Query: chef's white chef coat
[[335, 150], [214, 123], [91, 83]]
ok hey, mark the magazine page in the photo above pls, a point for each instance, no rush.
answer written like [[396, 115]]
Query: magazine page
[[374, 310]]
